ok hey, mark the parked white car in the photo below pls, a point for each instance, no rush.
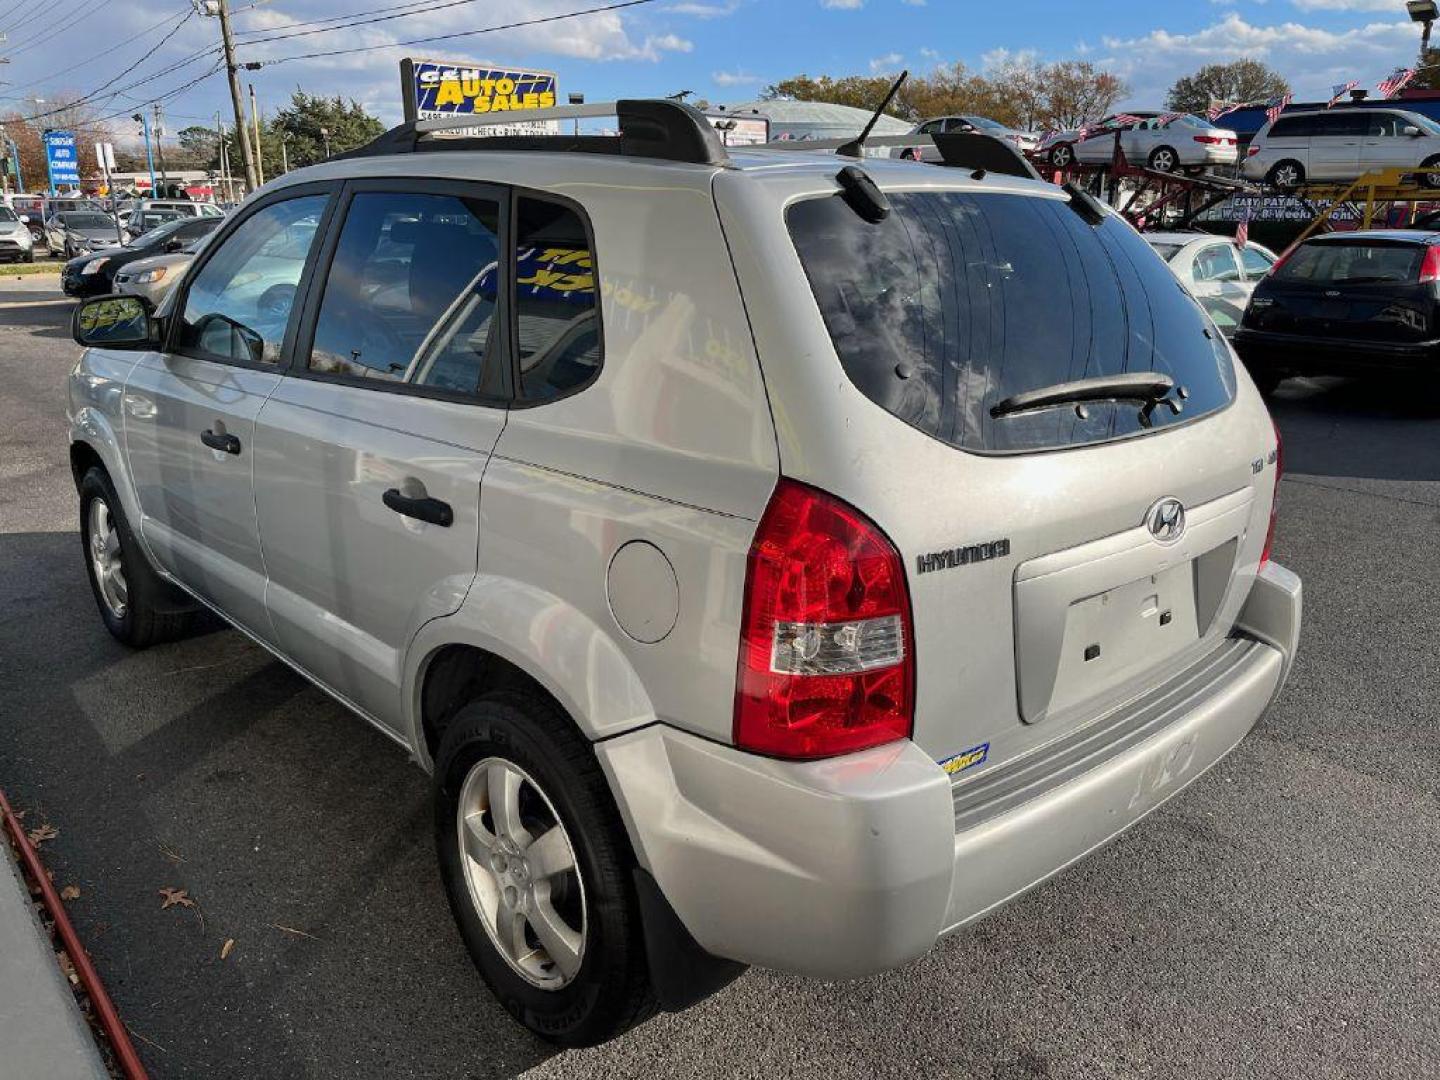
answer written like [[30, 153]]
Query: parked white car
[[16, 242], [1341, 144], [1161, 141], [1216, 270], [774, 561]]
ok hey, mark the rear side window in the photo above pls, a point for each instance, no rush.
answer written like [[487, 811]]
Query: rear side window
[[957, 301], [1352, 263], [1291, 127], [557, 318], [411, 293]]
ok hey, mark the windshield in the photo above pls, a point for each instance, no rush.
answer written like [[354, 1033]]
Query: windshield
[[1189, 120], [86, 221], [6, 214], [986, 123], [155, 235], [1423, 122], [956, 301], [1357, 263]]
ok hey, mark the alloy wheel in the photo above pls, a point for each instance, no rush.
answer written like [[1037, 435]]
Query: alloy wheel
[[1164, 161], [520, 867], [107, 560]]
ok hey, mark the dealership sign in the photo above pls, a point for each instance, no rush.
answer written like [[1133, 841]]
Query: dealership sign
[[438, 90], [61, 160]]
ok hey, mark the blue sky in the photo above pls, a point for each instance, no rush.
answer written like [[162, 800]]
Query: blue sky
[[724, 50]]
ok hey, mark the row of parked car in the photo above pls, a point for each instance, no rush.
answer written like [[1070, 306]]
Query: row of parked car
[[71, 226], [146, 265]]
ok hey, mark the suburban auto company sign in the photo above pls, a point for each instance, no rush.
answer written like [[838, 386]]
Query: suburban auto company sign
[[61, 159], [434, 89]]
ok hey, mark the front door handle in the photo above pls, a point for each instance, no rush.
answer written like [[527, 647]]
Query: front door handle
[[227, 443], [423, 508]]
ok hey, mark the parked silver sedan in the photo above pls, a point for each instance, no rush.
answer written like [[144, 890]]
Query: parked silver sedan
[[1161, 141], [1216, 270], [152, 278]]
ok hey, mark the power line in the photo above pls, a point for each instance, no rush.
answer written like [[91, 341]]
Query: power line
[[439, 37], [79, 14], [89, 98], [106, 52], [414, 6]]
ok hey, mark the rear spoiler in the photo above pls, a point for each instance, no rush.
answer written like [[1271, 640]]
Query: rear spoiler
[[959, 150]]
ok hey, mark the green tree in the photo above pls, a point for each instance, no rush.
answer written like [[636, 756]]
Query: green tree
[[301, 122], [1241, 80], [1427, 70]]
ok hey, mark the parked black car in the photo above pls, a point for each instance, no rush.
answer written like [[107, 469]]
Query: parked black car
[[1346, 304], [93, 274]]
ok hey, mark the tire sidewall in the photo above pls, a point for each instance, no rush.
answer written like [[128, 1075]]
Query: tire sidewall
[[1155, 156], [1275, 175], [496, 727], [96, 485]]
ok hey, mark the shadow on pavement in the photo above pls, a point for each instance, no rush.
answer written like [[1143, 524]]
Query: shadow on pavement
[[300, 832], [1378, 429]]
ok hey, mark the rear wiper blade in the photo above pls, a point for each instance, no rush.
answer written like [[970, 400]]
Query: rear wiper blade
[[1150, 387]]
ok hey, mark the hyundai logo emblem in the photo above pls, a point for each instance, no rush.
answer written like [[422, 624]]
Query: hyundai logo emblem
[[1166, 520]]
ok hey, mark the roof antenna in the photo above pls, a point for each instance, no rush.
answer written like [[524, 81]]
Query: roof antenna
[[854, 147]]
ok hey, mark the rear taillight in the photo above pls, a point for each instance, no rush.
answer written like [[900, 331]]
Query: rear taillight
[[1430, 266], [1281, 261], [1209, 140], [1251, 151], [1275, 498], [827, 657]]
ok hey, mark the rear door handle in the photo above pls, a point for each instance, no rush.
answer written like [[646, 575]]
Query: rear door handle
[[422, 509], [227, 443]]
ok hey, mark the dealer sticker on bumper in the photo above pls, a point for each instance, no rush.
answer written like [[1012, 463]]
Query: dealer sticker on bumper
[[968, 759]]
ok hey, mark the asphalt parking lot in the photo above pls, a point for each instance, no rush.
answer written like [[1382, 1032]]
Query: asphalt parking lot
[[1280, 919]]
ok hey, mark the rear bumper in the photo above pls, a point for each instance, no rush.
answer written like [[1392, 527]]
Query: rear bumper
[[1332, 356], [847, 867]]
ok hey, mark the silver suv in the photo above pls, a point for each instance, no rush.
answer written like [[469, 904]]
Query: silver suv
[[775, 561]]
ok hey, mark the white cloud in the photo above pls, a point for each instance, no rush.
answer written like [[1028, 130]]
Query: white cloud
[[888, 62], [1001, 56], [704, 11], [842, 5], [735, 78], [1346, 5], [1312, 57], [913, 3]]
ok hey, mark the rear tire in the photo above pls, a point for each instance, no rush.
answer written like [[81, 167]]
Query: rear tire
[[1062, 155], [591, 981], [137, 606], [1286, 174]]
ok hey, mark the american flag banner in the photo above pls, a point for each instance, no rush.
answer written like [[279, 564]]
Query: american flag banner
[[1395, 82], [1218, 109], [1167, 118], [1112, 125], [1275, 106], [1340, 90], [1242, 231]]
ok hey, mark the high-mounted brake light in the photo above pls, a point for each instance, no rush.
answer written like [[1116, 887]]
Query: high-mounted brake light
[[827, 655], [1275, 499], [1430, 267]]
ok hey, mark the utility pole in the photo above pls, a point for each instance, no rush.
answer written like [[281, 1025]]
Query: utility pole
[[144, 123], [229, 196], [159, 129], [222, 9], [255, 120]]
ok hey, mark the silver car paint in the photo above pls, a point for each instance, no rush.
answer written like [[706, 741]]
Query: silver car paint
[[1341, 157], [679, 443]]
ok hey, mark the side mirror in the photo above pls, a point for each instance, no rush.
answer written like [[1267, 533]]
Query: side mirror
[[115, 322], [1411, 130], [25, 218]]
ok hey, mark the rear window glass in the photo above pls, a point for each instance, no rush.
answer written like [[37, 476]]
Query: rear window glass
[[1355, 264], [957, 301]]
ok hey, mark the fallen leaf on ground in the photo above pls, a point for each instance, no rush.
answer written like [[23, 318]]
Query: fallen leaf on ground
[[70, 892], [63, 958], [43, 833], [225, 949], [292, 930], [174, 897]]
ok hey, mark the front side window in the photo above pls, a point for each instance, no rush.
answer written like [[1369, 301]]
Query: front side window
[[1383, 125], [957, 301], [557, 313], [410, 296], [1257, 263], [239, 304]]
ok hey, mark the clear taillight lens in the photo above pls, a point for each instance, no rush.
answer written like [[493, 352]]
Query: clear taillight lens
[[826, 646]]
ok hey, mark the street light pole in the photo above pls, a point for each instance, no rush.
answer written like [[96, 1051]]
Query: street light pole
[[325, 135], [160, 148], [149, 157]]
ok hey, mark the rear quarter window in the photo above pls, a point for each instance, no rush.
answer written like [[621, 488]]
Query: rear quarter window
[[957, 301]]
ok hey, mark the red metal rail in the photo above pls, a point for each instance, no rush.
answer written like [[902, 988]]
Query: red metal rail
[[105, 1012]]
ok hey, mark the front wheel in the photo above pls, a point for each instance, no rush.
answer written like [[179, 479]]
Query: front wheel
[[1164, 159], [1430, 179], [536, 865], [137, 606], [1062, 156]]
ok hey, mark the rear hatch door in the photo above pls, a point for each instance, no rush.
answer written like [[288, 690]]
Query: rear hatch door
[[1050, 578]]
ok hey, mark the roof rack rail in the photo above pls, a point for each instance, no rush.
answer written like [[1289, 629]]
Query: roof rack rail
[[651, 128]]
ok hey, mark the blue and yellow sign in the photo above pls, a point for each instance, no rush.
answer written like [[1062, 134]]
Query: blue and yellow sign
[[434, 89]]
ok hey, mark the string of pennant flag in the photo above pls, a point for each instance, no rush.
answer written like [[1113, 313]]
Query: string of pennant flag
[[1388, 87]]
